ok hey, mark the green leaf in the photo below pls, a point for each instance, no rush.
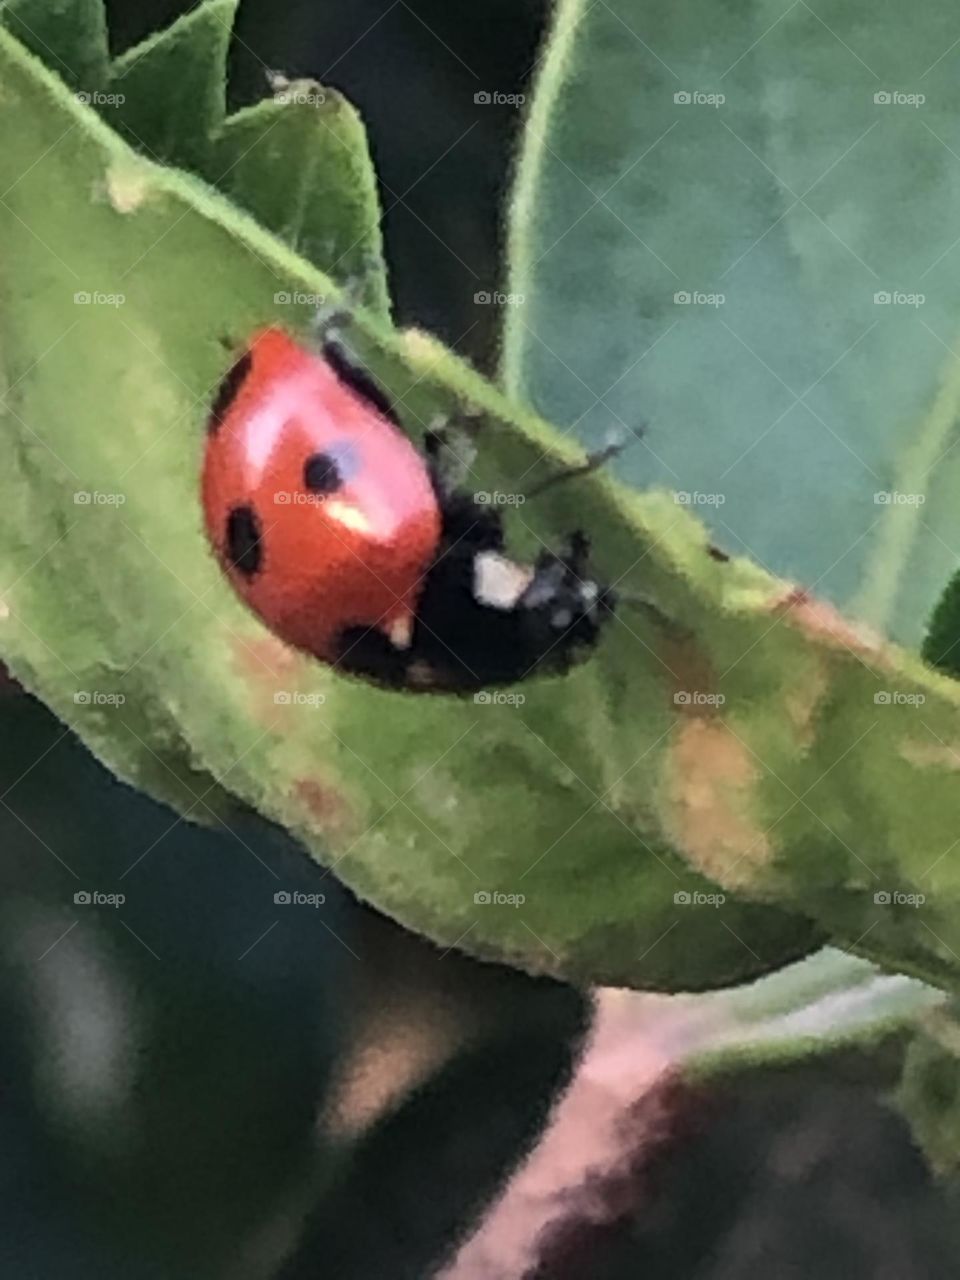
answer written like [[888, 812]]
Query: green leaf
[[815, 424], [618, 796], [70, 36], [818, 1005], [173, 86], [929, 1093], [274, 159], [941, 645]]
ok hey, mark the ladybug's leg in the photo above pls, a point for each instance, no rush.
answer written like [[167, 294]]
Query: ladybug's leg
[[563, 604], [329, 324], [577, 580], [331, 317], [467, 642], [484, 620], [468, 523], [450, 455]]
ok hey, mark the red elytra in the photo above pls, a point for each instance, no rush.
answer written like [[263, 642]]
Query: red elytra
[[319, 508]]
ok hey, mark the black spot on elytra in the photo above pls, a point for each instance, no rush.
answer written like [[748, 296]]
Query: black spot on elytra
[[244, 540], [716, 554], [354, 376], [321, 474], [228, 390]]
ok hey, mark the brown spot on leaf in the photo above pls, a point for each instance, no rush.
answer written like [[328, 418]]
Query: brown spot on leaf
[[267, 667], [711, 781], [267, 656], [693, 681], [328, 809], [803, 699], [821, 621], [926, 755]]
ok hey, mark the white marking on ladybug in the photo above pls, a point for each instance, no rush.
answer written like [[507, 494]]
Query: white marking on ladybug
[[499, 582], [400, 632]]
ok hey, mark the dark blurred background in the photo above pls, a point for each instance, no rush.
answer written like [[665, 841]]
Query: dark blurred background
[[195, 1088]]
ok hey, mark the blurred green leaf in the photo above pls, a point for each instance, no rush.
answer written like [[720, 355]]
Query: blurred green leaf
[[70, 36], [941, 644], [818, 1005], [275, 160], [167, 97], [929, 1093], [733, 222], [172, 87]]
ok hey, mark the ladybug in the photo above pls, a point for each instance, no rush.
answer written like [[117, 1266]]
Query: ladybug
[[352, 544]]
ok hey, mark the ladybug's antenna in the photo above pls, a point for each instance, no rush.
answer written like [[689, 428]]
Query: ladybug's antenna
[[594, 461]]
